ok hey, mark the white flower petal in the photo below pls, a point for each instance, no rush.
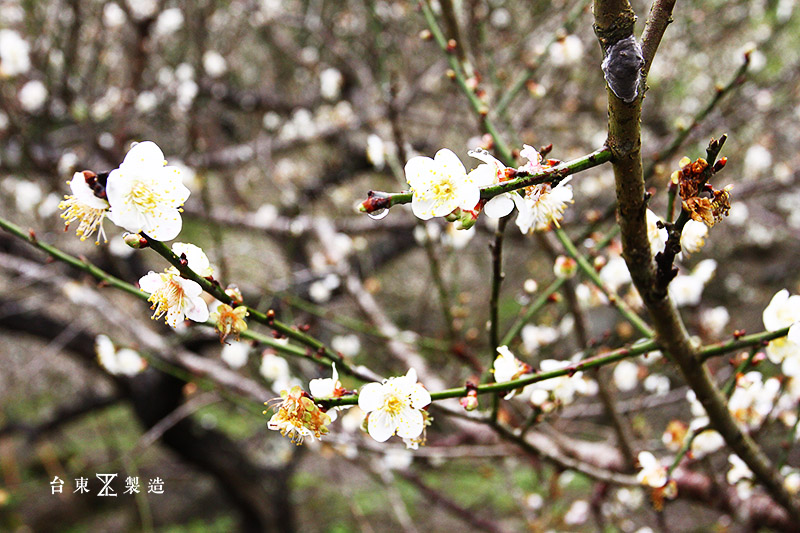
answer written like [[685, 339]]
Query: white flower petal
[[145, 153], [150, 282], [499, 206], [420, 397], [423, 209], [794, 333], [451, 163], [198, 310], [380, 426], [418, 170], [371, 397], [411, 423]]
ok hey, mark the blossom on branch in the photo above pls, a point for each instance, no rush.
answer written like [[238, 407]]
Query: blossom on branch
[[229, 320], [652, 474], [440, 185], [508, 368], [491, 172], [328, 388], [175, 297], [783, 311], [85, 205], [145, 194], [297, 417], [394, 407], [195, 257]]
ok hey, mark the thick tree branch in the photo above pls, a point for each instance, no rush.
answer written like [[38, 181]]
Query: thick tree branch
[[615, 19]]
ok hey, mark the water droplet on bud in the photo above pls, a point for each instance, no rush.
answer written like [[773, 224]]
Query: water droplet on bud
[[379, 214]]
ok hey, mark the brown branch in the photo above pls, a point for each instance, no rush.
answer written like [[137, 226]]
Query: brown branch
[[657, 21], [624, 139]]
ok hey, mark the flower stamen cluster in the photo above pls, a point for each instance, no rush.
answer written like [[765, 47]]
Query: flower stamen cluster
[[298, 417], [702, 202], [394, 407], [85, 205]]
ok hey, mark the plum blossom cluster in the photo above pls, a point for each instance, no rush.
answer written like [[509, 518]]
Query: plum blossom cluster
[[442, 187], [395, 406], [143, 195], [546, 395]]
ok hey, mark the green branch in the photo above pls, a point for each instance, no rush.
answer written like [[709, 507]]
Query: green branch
[[377, 201]]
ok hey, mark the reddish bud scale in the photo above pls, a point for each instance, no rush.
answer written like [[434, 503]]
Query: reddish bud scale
[[739, 333], [374, 203]]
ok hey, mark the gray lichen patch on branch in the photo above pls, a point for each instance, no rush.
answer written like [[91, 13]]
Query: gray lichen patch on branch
[[622, 68]]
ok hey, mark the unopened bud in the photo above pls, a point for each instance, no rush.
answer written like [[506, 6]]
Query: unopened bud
[[470, 401], [565, 267], [450, 74], [235, 294], [134, 240], [451, 45], [425, 35], [720, 164], [466, 219]]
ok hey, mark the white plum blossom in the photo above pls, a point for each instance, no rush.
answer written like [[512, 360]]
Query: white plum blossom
[[348, 345], [275, 369], [376, 151], [328, 388], [440, 185], [550, 393], [791, 479], [783, 311], [394, 407], [32, 96], [688, 289], [540, 205], [626, 375], [235, 354], [146, 195], [614, 273], [714, 320], [175, 297], [693, 236], [330, 83], [325, 387], [657, 236], [741, 476], [196, 258], [113, 15], [707, 441], [507, 368], [168, 22], [14, 54], [578, 513], [652, 474], [533, 337], [142, 9], [753, 399], [214, 64], [658, 384], [124, 362], [457, 238], [489, 173], [82, 205], [757, 160], [566, 51]]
